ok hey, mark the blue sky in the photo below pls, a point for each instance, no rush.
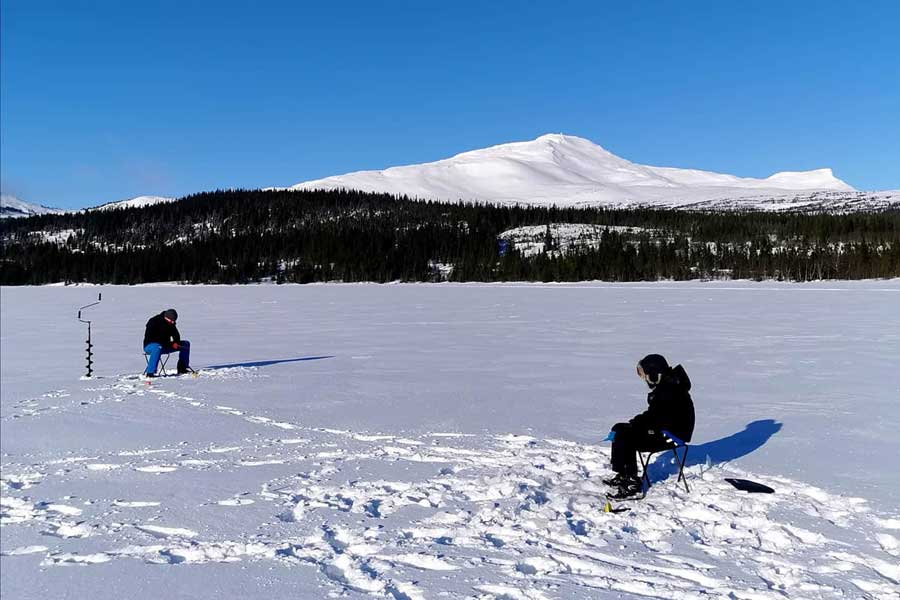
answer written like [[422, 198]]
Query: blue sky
[[102, 101]]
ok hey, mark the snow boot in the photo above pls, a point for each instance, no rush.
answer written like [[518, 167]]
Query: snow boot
[[616, 480], [629, 488]]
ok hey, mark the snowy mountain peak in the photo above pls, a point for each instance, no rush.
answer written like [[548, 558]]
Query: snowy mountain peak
[[136, 202], [553, 147], [12, 207], [819, 178], [567, 170]]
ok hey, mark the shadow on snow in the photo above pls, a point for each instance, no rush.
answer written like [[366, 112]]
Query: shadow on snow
[[266, 363], [723, 450]]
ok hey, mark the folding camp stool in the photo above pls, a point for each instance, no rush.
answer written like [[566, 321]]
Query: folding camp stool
[[161, 367], [679, 460]]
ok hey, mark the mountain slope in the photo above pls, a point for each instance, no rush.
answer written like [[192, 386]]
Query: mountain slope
[[11, 207], [136, 202], [572, 171]]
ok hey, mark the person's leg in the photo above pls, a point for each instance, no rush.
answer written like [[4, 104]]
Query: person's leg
[[154, 350], [624, 463], [624, 458], [184, 356], [644, 441]]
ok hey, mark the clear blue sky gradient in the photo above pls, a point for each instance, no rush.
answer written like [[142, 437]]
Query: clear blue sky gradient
[[105, 100]]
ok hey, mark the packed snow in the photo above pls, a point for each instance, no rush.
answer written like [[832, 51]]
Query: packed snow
[[422, 441], [566, 170]]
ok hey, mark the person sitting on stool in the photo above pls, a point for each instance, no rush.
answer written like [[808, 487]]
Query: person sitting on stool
[[162, 337], [670, 408]]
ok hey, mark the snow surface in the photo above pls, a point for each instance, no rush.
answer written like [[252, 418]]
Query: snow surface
[[572, 171], [136, 202], [11, 207], [421, 441]]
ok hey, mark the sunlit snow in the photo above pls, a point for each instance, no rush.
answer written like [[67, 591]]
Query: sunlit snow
[[422, 441]]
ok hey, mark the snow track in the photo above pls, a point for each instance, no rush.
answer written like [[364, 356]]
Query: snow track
[[497, 516], [411, 442]]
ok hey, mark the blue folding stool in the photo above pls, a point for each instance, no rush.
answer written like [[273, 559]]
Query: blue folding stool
[[161, 366], [676, 443]]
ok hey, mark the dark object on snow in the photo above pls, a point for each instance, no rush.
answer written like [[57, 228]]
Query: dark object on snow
[[609, 508], [745, 485], [669, 406], [628, 487], [90, 346]]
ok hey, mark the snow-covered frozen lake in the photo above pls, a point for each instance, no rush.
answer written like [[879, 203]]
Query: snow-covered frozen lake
[[421, 441]]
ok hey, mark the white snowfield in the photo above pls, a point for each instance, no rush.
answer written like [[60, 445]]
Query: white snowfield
[[564, 170], [442, 441], [136, 202], [530, 240], [11, 208]]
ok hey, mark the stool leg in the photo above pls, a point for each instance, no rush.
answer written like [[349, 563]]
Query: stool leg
[[681, 462], [645, 476]]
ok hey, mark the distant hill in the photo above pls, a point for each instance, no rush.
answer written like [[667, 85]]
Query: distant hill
[[136, 202], [568, 171], [11, 208]]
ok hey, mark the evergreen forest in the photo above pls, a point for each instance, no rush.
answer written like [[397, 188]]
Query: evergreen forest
[[246, 236]]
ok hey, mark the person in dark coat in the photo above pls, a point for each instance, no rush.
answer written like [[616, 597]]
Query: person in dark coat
[[670, 408], [162, 337]]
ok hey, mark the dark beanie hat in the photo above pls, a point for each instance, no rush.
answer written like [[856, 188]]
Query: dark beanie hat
[[654, 365], [171, 313]]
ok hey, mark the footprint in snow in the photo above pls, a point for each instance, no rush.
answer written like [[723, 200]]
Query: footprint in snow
[[157, 469], [235, 502], [166, 532]]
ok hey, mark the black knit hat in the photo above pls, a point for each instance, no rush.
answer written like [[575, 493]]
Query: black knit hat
[[653, 366], [171, 314]]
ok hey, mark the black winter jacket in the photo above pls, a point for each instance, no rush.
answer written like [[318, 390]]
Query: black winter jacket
[[161, 332], [670, 406]]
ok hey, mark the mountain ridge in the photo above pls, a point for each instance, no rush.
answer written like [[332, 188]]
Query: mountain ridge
[[567, 170], [12, 207]]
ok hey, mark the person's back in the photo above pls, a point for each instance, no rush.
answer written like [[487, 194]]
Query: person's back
[[161, 331], [671, 406]]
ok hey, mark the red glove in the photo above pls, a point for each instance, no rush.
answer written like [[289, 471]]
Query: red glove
[[174, 345]]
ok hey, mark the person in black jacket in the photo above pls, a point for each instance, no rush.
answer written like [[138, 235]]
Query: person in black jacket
[[670, 409], [162, 337]]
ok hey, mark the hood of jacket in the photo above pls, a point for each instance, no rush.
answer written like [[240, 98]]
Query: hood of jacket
[[678, 377]]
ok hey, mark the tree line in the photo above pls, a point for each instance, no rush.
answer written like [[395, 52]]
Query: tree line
[[244, 236]]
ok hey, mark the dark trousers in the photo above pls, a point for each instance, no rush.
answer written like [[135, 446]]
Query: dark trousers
[[628, 442]]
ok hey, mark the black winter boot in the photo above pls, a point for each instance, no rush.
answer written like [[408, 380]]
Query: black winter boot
[[629, 488], [616, 480]]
